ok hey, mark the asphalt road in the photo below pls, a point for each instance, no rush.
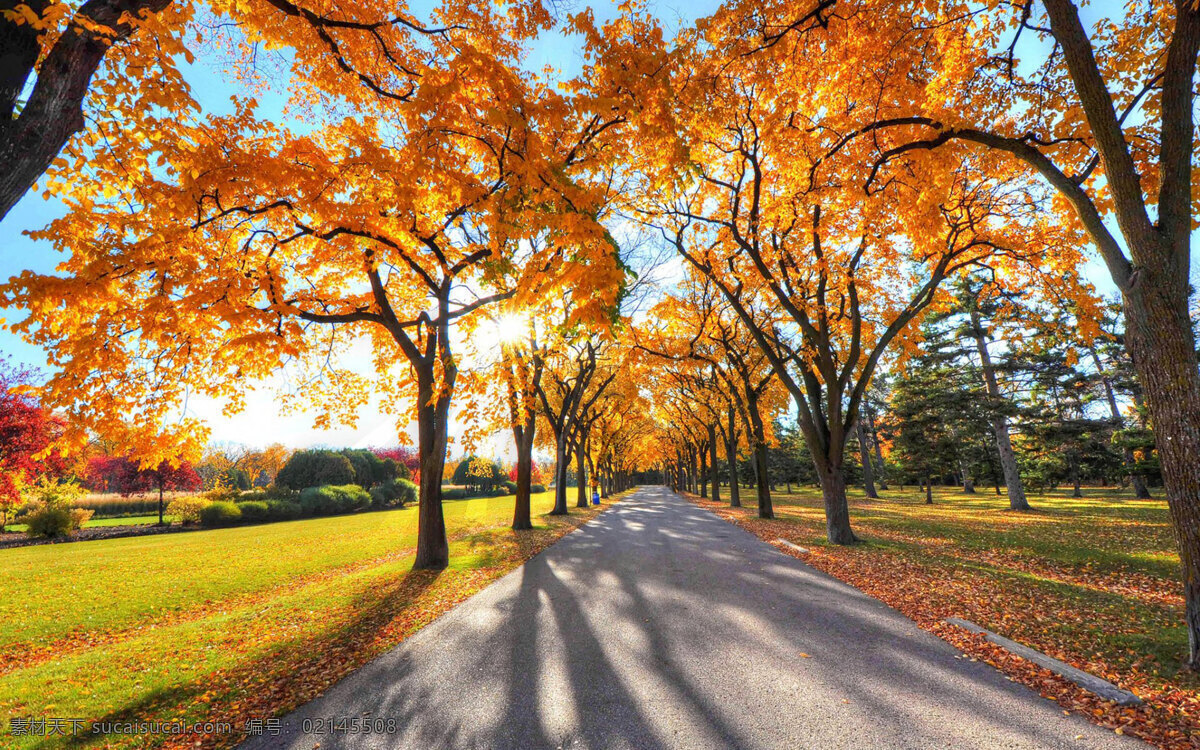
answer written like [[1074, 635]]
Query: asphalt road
[[658, 625]]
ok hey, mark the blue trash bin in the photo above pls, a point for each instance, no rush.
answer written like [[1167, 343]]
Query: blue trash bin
[[595, 497]]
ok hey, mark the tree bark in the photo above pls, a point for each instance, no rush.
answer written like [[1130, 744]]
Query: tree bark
[[735, 498], [865, 453], [714, 476], [928, 491], [433, 551], [54, 111], [581, 472], [878, 450], [833, 492], [522, 513], [1160, 340], [765, 507], [560, 475], [1008, 460]]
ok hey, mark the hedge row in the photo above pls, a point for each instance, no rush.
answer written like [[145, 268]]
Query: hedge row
[[326, 500]]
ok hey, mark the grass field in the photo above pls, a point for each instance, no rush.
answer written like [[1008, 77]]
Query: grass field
[[1092, 581], [19, 528], [233, 624]]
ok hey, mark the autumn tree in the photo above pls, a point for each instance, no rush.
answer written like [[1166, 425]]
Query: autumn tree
[[240, 246], [1104, 116], [127, 475], [27, 432]]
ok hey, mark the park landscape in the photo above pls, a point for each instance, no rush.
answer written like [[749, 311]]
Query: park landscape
[[631, 355]]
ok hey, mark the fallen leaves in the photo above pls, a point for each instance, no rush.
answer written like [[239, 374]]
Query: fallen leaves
[[1014, 593]]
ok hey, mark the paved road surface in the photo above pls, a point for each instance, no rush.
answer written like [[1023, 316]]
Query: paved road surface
[[658, 625]]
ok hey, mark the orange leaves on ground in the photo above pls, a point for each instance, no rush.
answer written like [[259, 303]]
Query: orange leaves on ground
[[929, 579]]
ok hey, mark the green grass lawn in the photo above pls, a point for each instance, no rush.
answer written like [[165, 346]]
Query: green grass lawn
[[19, 528], [208, 624]]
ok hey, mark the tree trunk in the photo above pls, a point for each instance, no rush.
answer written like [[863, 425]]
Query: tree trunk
[[54, 110], [765, 508], [560, 474], [928, 491], [735, 498], [714, 477], [522, 514], [1008, 460], [703, 451], [433, 551], [878, 452], [968, 484], [865, 453], [581, 472], [833, 492], [1160, 340], [160, 502]]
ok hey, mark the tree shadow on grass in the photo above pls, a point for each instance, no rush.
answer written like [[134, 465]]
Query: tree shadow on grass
[[287, 675]]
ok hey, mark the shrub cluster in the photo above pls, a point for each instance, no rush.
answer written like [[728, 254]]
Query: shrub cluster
[[49, 512], [220, 513], [314, 468], [533, 489], [394, 493], [330, 499]]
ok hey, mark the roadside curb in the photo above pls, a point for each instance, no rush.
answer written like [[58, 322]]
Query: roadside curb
[[1089, 682]]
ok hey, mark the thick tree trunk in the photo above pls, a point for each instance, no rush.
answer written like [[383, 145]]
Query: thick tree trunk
[[522, 514], [968, 484], [1008, 460], [560, 475], [928, 491], [714, 476], [433, 551], [765, 507], [703, 450], [735, 497], [833, 492], [1163, 349], [865, 453], [581, 497], [54, 111]]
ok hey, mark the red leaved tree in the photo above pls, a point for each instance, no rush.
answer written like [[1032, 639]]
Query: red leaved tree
[[126, 476], [26, 430]]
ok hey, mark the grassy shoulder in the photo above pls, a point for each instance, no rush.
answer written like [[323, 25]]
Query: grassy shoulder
[[1093, 581], [234, 624]]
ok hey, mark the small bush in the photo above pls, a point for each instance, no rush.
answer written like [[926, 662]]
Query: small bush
[[220, 513], [394, 493], [283, 510], [454, 494], [510, 488], [47, 521], [254, 511], [187, 509], [223, 494], [49, 513], [497, 492], [330, 499], [537, 488]]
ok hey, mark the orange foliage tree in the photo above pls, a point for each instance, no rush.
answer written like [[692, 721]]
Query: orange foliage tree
[[240, 246]]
